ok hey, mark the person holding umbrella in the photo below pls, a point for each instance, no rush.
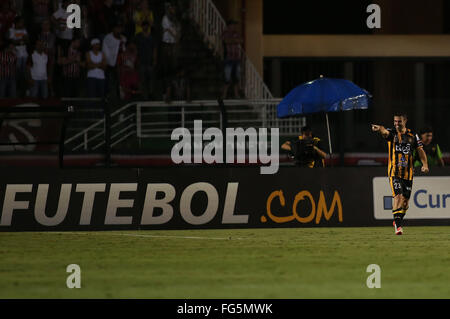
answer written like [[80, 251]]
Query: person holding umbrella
[[306, 150], [324, 95]]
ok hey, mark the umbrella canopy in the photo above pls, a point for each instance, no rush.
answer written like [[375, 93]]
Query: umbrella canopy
[[324, 95]]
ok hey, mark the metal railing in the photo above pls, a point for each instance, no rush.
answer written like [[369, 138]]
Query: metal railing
[[212, 26], [93, 137], [157, 119]]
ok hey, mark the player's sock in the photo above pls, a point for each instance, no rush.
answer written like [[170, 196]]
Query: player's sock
[[398, 216], [403, 215]]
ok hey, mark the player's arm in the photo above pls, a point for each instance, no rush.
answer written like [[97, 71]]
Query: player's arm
[[319, 152], [423, 159], [418, 145], [440, 157], [380, 129], [286, 146]]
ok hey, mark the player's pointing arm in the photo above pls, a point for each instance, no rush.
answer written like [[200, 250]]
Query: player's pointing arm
[[380, 129]]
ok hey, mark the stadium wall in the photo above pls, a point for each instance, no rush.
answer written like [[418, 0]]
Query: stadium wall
[[210, 198]]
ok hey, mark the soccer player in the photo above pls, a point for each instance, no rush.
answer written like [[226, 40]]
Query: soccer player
[[401, 143]]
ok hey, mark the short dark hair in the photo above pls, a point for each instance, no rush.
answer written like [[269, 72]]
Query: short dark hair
[[426, 129], [306, 129], [401, 114]]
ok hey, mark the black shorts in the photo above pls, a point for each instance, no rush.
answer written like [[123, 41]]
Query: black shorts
[[400, 186]]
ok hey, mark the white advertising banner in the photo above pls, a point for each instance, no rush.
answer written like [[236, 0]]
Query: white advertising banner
[[430, 198]]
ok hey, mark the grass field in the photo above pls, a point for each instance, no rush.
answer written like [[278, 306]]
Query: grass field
[[270, 263]]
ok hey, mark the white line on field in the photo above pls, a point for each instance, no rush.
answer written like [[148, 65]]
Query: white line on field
[[178, 237], [150, 236]]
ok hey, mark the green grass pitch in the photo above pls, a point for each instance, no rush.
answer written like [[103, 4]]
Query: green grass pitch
[[257, 263]]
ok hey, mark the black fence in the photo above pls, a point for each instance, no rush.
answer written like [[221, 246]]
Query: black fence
[[32, 129]]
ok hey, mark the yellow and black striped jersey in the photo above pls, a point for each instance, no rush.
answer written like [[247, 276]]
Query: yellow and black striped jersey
[[401, 149]]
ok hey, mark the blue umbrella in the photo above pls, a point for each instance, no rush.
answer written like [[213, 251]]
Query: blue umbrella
[[324, 95]]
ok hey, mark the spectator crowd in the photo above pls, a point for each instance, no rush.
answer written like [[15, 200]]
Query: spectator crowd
[[114, 54]]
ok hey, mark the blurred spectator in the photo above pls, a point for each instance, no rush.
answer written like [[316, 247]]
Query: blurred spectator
[[94, 8], [431, 148], [144, 14], [113, 44], [19, 37], [131, 6], [46, 21], [147, 53], [180, 88], [232, 56], [38, 72], [7, 16], [63, 33], [107, 18], [169, 48], [41, 11], [86, 25], [70, 61], [129, 76], [48, 37], [49, 41], [8, 62], [184, 9], [17, 5], [96, 64]]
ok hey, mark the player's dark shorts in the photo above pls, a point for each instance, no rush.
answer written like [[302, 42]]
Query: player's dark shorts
[[400, 186]]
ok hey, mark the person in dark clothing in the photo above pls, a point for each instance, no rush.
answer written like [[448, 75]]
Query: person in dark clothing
[[107, 18], [8, 60], [147, 54], [70, 62], [306, 150], [431, 148]]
